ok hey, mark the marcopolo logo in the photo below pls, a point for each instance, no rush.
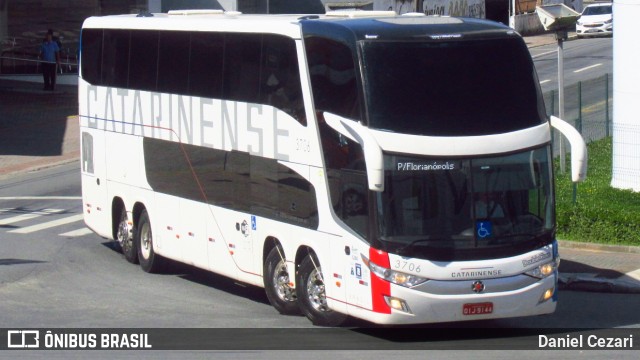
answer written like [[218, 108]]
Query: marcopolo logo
[[535, 258], [21, 339]]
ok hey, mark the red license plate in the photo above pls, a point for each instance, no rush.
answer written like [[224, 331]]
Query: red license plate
[[477, 308]]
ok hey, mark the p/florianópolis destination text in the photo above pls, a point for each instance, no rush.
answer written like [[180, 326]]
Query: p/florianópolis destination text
[[585, 341]]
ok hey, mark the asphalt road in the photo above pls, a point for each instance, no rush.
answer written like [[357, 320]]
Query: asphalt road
[[586, 61], [583, 59]]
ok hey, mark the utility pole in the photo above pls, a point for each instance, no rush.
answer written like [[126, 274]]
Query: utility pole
[[559, 18], [561, 36]]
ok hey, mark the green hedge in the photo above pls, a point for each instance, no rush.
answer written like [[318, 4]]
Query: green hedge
[[601, 214]]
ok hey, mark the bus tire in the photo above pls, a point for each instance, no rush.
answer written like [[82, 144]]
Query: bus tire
[[312, 299], [276, 284], [127, 244], [149, 261]]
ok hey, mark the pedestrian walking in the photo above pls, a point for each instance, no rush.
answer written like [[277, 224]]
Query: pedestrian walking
[[50, 55]]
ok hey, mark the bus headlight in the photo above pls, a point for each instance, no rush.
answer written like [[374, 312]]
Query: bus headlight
[[396, 277], [544, 270], [546, 295]]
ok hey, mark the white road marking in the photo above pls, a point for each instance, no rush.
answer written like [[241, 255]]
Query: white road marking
[[48, 224], [587, 68], [78, 233], [27, 216], [545, 53], [544, 81], [40, 197]]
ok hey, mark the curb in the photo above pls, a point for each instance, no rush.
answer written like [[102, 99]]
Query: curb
[[599, 247]]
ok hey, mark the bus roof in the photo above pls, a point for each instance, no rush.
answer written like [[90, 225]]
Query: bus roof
[[360, 25]]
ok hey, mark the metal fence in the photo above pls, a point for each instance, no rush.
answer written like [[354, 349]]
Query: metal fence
[[588, 107], [22, 57]]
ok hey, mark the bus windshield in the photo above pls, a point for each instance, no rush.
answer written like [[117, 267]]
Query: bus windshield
[[466, 209], [450, 88]]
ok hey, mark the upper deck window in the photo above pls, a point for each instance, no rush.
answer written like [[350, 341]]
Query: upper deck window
[[245, 67]]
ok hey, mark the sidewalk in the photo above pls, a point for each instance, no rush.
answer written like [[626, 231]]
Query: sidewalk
[[545, 39], [39, 129]]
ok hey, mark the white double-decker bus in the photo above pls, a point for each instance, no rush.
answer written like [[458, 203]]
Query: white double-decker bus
[[396, 169]]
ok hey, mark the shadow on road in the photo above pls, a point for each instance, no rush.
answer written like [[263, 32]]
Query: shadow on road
[[206, 278], [569, 266], [32, 121]]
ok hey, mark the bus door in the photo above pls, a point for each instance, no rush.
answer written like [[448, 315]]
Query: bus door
[[94, 183], [241, 244], [194, 234]]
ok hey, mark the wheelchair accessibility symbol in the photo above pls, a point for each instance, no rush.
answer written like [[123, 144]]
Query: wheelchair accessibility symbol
[[484, 229]]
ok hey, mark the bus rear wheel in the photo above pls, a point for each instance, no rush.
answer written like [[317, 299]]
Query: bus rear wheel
[[127, 243], [312, 297], [149, 261], [277, 283]]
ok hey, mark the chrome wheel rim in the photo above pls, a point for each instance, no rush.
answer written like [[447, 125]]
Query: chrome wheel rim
[[316, 291], [123, 235], [281, 282], [145, 241]]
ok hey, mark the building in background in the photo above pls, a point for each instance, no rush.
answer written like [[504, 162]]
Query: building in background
[[23, 23]]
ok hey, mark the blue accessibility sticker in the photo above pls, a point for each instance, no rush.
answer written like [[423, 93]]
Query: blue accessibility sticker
[[484, 229]]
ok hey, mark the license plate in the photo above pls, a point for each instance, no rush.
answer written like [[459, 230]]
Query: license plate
[[477, 308]]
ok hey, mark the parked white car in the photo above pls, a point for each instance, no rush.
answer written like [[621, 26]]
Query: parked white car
[[596, 19]]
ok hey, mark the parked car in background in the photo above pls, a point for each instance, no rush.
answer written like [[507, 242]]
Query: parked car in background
[[596, 19]]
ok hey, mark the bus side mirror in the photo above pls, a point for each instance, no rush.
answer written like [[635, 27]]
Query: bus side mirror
[[578, 148], [372, 151]]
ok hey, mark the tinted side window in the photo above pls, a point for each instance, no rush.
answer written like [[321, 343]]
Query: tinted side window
[[173, 62], [87, 153], [230, 179], [143, 70], [115, 62], [91, 55], [205, 69], [280, 77], [242, 67]]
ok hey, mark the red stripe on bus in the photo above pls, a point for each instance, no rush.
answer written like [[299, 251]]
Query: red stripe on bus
[[379, 287]]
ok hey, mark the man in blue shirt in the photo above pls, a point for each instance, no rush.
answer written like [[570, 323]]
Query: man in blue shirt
[[50, 52]]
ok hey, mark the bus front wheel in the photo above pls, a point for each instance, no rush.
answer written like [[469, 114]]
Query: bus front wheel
[[312, 297], [277, 284]]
